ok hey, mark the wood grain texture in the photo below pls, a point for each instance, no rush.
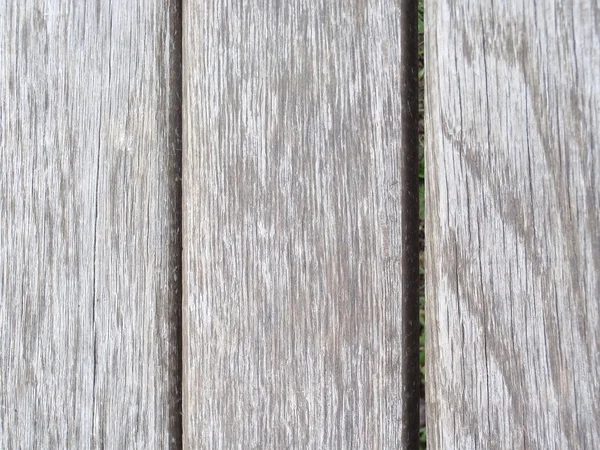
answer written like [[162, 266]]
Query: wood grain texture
[[295, 164], [513, 224], [88, 226]]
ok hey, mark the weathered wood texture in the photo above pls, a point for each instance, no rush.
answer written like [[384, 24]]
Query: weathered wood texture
[[88, 226], [296, 245], [513, 224]]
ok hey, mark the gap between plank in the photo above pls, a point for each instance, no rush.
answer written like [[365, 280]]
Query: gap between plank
[[175, 125], [409, 92]]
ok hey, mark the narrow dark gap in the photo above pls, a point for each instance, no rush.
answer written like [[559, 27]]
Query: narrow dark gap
[[410, 203], [421, 128], [175, 125]]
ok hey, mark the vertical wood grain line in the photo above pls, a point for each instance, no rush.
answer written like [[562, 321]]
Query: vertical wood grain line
[[184, 289]]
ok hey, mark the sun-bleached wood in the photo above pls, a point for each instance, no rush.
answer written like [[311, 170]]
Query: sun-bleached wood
[[297, 225], [513, 224], [88, 225]]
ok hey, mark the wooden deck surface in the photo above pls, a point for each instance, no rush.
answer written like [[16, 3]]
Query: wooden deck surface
[[513, 224], [259, 290]]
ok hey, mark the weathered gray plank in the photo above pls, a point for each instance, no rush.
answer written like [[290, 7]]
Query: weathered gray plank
[[299, 143], [88, 226], [513, 224]]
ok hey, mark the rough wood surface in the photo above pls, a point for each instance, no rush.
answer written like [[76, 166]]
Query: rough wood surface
[[296, 245], [88, 234], [513, 224]]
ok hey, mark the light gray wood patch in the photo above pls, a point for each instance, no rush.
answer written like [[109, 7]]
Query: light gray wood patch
[[293, 225], [513, 224], [88, 231]]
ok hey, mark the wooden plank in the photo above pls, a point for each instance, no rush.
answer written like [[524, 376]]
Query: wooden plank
[[300, 221], [513, 224], [89, 248]]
